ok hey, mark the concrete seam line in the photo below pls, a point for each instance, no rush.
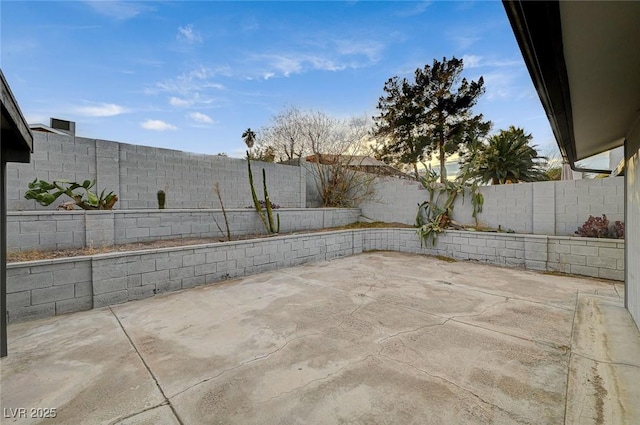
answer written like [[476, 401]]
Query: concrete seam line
[[606, 362], [153, 376], [573, 326]]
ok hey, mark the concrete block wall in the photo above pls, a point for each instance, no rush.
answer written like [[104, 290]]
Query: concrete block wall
[[49, 230], [123, 278], [188, 179], [548, 208], [55, 157], [135, 173], [396, 200], [50, 287], [597, 258], [577, 199], [45, 230]]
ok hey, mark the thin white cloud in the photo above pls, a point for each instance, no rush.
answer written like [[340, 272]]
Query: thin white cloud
[[200, 117], [369, 48], [188, 35], [157, 125], [289, 64], [189, 83], [101, 110], [176, 101], [416, 8], [475, 61], [120, 10], [471, 61], [464, 41], [503, 84], [250, 24]]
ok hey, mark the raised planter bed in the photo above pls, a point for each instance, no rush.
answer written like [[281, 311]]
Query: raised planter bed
[[48, 230], [49, 287]]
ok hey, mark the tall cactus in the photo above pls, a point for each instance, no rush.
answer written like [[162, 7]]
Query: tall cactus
[[161, 199], [267, 202], [268, 220]]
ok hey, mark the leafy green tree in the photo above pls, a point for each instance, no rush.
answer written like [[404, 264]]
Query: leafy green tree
[[505, 158], [431, 115]]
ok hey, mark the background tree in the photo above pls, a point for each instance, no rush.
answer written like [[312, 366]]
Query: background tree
[[397, 130], [553, 163], [504, 158], [249, 137], [333, 147], [283, 136], [431, 115]]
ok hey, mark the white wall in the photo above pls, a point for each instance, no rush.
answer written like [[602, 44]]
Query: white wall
[[632, 222]]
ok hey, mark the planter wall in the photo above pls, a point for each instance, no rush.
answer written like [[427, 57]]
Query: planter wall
[[49, 287], [46, 230]]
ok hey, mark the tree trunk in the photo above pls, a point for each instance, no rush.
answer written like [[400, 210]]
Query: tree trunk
[[443, 170], [415, 170]]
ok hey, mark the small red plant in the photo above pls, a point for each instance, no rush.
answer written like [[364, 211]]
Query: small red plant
[[618, 229], [594, 227]]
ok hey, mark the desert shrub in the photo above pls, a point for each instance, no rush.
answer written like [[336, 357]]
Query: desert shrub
[[598, 227]]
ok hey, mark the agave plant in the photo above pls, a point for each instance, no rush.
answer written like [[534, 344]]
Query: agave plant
[[46, 193], [434, 215]]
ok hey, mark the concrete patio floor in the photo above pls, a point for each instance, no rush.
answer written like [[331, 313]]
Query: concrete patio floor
[[376, 338]]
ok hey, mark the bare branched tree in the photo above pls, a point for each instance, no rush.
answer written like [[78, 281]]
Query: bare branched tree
[[283, 136], [332, 149]]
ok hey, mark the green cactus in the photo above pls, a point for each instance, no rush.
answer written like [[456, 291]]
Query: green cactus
[[268, 220], [267, 202], [161, 199]]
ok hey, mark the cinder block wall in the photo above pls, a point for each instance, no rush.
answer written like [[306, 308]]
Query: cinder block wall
[[50, 287], [548, 208], [136, 173], [47, 230]]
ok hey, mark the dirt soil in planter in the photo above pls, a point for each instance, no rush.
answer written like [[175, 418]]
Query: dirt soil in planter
[[33, 255]]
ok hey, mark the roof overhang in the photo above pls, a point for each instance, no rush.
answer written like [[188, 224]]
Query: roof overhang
[[584, 60], [16, 137]]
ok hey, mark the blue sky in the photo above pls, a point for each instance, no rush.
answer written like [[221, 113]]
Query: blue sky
[[194, 75]]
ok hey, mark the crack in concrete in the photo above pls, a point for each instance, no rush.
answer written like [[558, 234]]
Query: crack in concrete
[[455, 317], [605, 361], [412, 330], [466, 390], [119, 420], [244, 363], [615, 287], [573, 325], [472, 289], [316, 380], [144, 362], [450, 318]]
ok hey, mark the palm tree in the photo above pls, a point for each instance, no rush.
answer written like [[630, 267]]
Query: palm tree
[[505, 158], [249, 137]]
